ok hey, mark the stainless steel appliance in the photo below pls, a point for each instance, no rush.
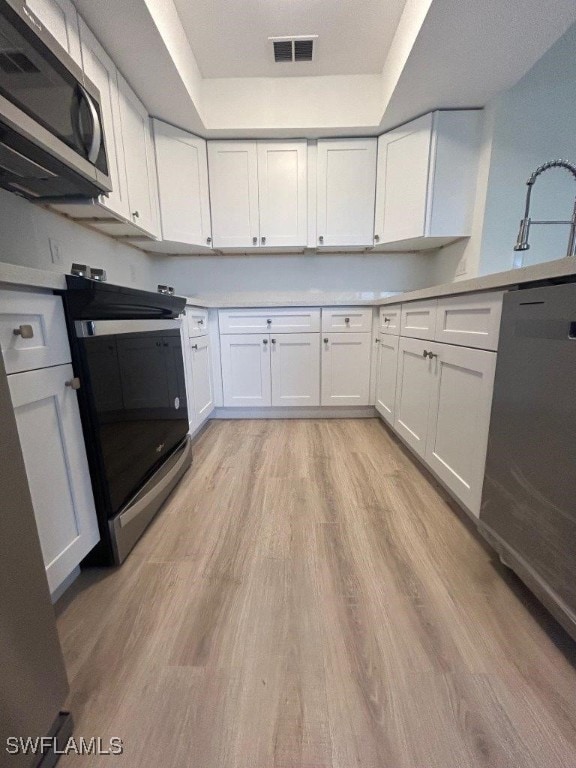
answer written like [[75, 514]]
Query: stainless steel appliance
[[33, 684], [528, 508], [127, 356], [52, 143]]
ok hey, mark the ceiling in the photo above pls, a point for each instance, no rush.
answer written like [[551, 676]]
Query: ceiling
[[230, 39], [371, 74]]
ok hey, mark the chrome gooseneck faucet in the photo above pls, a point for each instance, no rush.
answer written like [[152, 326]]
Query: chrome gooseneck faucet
[[522, 241]]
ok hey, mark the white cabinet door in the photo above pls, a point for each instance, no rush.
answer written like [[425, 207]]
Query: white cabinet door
[[387, 369], [414, 383], [100, 68], [426, 180], [459, 419], [233, 168], [403, 164], [246, 379], [390, 319], [182, 164], [346, 368], [201, 377], [346, 185], [54, 454], [140, 161], [283, 193], [295, 369], [61, 20]]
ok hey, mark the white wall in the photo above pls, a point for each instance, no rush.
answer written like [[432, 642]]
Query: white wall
[[26, 231], [330, 272], [533, 122]]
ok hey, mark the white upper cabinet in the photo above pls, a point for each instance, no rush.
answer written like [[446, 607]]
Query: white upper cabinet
[[100, 68], [258, 192], [61, 20], [182, 165], [282, 193], [233, 169], [140, 161], [346, 183], [427, 180]]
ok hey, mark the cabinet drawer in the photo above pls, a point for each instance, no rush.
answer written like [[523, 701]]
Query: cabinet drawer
[[470, 321], [418, 319], [347, 319], [196, 321], [44, 314], [275, 320], [389, 319]]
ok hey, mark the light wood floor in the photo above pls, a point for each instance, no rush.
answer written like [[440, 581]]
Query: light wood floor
[[309, 599]]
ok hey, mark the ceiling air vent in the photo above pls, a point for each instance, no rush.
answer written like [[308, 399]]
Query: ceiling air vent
[[290, 49]]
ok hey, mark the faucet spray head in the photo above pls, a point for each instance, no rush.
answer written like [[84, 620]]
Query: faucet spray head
[[522, 241]]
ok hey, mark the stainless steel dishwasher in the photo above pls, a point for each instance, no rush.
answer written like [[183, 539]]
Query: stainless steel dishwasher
[[528, 508]]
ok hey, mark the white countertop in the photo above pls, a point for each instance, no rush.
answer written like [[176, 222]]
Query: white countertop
[[15, 275], [546, 271], [289, 299]]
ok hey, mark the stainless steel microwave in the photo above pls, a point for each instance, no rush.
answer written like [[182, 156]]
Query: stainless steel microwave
[[52, 144]]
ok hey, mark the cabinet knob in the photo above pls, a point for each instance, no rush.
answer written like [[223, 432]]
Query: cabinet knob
[[273, 341], [425, 353], [254, 241], [193, 346], [136, 214], [321, 239], [264, 341], [73, 383], [347, 320], [200, 322], [25, 331], [263, 240], [376, 238], [326, 340], [386, 319], [269, 322], [208, 240], [377, 340]]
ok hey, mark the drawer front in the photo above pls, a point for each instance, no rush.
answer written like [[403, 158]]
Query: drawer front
[[297, 320], [418, 319], [347, 320], [470, 321], [389, 319], [196, 321], [41, 339]]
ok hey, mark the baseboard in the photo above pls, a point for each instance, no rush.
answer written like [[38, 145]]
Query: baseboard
[[308, 412]]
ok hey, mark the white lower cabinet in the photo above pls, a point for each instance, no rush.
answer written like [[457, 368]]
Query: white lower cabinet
[[461, 399], [346, 368], [414, 384], [386, 372], [201, 379], [54, 454], [295, 360], [246, 374]]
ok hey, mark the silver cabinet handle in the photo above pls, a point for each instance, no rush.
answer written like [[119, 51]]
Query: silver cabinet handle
[[321, 239], [135, 214], [429, 355], [25, 331], [263, 240], [208, 240], [73, 383], [254, 241], [193, 346], [326, 340], [377, 341], [347, 320], [376, 238], [269, 322], [264, 341], [386, 319], [200, 322], [273, 341]]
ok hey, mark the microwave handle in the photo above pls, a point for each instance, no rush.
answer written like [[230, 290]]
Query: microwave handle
[[94, 149]]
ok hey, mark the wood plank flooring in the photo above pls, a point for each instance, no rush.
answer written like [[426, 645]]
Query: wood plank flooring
[[308, 599]]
